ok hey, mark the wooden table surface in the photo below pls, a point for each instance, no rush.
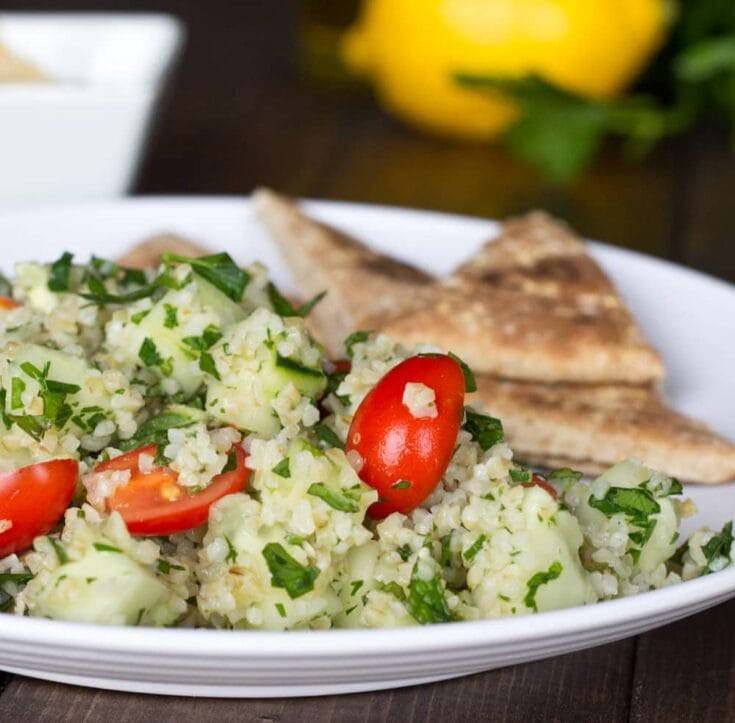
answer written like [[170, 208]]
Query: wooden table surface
[[238, 117]]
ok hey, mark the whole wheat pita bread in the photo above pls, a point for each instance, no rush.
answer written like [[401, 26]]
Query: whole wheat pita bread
[[533, 305], [590, 427], [361, 285]]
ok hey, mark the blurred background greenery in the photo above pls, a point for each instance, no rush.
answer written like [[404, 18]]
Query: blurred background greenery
[[550, 79]]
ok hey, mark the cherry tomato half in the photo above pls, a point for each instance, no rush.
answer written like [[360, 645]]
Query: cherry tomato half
[[33, 500], [153, 503], [7, 303], [538, 481], [404, 457]]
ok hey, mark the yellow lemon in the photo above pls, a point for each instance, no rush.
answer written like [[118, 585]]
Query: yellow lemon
[[411, 49]]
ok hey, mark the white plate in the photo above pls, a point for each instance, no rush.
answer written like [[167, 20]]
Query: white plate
[[81, 137], [690, 318]]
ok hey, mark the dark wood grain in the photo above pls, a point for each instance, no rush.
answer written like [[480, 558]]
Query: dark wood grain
[[588, 686], [237, 116]]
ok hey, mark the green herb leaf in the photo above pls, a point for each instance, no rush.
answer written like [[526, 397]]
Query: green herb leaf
[[404, 551], [403, 484], [281, 609], [564, 474], [19, 578], [17, 387], [283, 468], [219, 270], [719, 546], [207, 365], [357, 337], [148, 353], [155, 430], [283, 307], [328, 436], [288, 573], [485, 430], [393, 588], [209, 337], [539, 579], [297, 366], [426, 601], [231, 551], [58, 279], [471, 552], [356, 585], [171, 312], [60, 550], [470, 384], [519, 475], [104, 547], [637, 504], [338, 499]]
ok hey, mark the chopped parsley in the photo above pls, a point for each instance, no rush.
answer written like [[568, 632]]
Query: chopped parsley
[[470, 384], [209, 337], [342, 500], [148, 353], [104, 547], [637, 504], [283, 468], [719, 546], [17, 387], [564, 475], [403, 484], [520, 475], [170, 320], [219, 270], [393, 588], [485, 430], [165, 566], [426, 601], [281, 609], [208, 365], [139, 316], [59, 272], [288, 573], [357, 337], [283, 307], [231, 551], [155, 430], [60, 550], [328, 436], [404, 552], [470, 553], [355, 586], [295, 365], [539, 579]]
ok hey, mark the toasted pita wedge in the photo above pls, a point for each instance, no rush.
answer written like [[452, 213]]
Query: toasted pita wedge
[[362, 286], [533, 305], [148, 252], [590, 427]]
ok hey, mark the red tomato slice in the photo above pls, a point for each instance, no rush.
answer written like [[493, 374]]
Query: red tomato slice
[[33, 499], [342, 366], [538, 481], [153, 503], [404, 457], [7, 303]]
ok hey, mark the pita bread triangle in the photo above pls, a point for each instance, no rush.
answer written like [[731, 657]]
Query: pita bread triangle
[[361, 284], [533, 305], [591, 427]]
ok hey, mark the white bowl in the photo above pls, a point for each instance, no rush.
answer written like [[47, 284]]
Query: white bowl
[[81, 136]]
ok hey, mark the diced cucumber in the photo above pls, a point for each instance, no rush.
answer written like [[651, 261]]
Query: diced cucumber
[[180, 360], [64, 368], [105, 587], [32, 279], [247, 402]]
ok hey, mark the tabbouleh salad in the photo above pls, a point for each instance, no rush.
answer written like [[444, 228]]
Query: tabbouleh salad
[[176, 450]]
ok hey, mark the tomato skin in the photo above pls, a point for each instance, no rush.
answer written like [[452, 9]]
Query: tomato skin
[[145, 502], [34, 499], [538, 481], [395, 446], [7, 303]]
